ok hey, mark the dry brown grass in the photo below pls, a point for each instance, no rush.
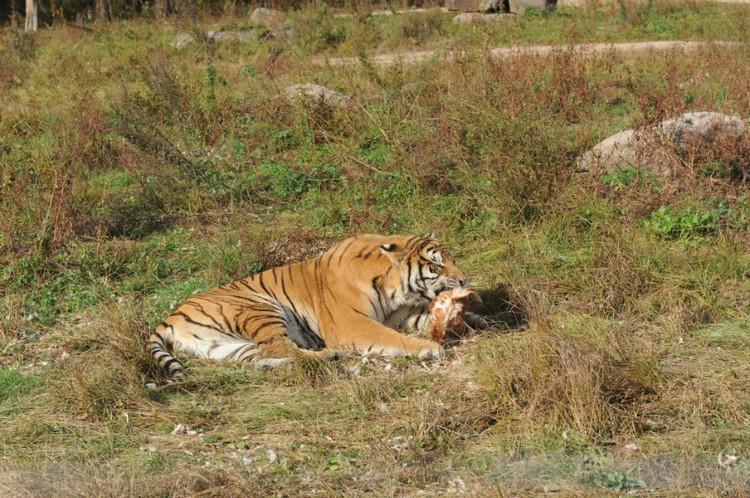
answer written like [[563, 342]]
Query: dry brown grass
[[589, 376]]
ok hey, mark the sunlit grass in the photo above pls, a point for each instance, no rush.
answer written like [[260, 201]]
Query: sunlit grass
[[134, 175]]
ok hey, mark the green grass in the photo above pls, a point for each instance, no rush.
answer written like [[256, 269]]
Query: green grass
[[134, 175]]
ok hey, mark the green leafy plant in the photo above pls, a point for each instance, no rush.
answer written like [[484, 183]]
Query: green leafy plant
[[684, 224], [619, 480]]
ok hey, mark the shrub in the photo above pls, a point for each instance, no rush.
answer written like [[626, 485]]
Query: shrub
[[318, 32]]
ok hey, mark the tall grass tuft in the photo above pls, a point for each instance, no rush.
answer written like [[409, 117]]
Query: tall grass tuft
[[106, 372], [584, 375]]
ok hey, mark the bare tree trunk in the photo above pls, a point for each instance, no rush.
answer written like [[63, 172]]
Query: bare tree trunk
[[102, 9], [162, 8], [32, 15], [184, 8]]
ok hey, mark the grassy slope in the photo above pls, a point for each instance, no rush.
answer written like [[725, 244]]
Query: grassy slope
[[134, 175]]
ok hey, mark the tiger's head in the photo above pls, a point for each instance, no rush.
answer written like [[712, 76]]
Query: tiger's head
[[425, 268]]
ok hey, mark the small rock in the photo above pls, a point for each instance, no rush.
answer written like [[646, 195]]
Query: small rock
[[519, 6], [631, 447], [458, 482], [183, 40], [240, 36], [727, 461], [267, 17], [183, 429], [476, 18], [474, 5], [317, 94]]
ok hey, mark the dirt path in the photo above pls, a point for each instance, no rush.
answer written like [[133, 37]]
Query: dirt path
[[521, 50]]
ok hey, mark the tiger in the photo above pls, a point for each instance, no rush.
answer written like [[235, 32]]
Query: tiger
[[356, 296]]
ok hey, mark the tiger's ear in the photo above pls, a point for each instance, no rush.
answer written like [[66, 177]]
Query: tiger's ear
[[430, 235], [391, 250]]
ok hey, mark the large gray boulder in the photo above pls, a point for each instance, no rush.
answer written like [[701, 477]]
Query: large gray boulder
[[474, 5], [316, 94], [657, 149], [519, 6], [696, 128]]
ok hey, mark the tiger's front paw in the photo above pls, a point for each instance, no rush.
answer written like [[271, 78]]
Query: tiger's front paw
[[335, 354], [476, 321], [428, 350]]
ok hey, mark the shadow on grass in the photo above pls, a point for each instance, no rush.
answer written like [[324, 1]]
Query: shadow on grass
[[502, 308]]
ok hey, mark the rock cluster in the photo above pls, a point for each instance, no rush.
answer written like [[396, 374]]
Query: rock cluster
[[271, 19], [485, 6]]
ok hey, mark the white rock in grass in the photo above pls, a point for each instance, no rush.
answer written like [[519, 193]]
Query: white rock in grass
[[476, 18], [183, 40], [240, 36], [727, 461], [317, 94], [183, 429]]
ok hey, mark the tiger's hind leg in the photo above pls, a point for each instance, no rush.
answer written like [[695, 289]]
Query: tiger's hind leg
[[279, 350], [280, 337], [193, 340]]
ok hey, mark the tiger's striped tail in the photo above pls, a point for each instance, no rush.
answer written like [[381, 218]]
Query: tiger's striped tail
[[158, 346]]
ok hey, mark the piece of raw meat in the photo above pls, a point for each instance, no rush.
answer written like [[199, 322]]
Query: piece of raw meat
[[447, 312]]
